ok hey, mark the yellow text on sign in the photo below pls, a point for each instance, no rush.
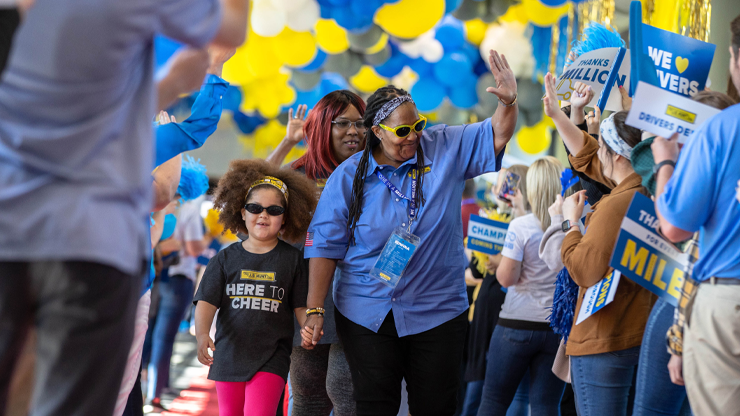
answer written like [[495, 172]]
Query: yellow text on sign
[[636, 260], [680, 114]]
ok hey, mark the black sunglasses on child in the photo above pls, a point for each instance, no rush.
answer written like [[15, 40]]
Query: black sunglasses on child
[[273, 210]]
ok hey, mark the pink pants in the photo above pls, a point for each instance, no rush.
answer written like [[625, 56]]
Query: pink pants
[[259, 396]]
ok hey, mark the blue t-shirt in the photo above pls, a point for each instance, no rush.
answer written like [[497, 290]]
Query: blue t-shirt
[[432, 290], [701, 194]]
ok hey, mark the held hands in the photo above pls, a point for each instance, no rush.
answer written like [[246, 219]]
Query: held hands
[[665, 149], [582, 95], [204, 344], [557, 207], [313, 330], [505, 88], [573, 206], [294, 131]]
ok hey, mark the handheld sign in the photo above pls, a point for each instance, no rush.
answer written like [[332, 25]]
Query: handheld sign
[[599, 295], [486, 236], [682, 63], [663, 113], [598, 68], [645, 257]]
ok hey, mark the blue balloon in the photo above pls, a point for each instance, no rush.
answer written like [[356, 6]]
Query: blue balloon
[[421, 67], [366, 7], [428, 94], [338, 2], [324, 2], [164, 48], [393, 65], [310, 98], [464, 96], [247, 124], [450, 33], [452, 5], [317, 62], [232, 99], [480, 68], [554, 3], [448, 69], [472, 52], [326, 11], [332, 81]]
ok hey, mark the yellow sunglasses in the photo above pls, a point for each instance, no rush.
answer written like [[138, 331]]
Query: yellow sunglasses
[[404, 130]]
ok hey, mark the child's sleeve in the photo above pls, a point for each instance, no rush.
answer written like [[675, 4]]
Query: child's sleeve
[[212, 285], [300, 285]]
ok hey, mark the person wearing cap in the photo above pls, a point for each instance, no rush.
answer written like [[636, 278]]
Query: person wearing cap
[[605, 348], [390, 220]]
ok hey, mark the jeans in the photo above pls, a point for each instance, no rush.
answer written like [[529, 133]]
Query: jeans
[[474, 393], [512, 354], [655, 395], [604, 383], [176, 294]]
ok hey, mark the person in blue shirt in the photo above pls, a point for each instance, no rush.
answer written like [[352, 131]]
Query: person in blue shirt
[[700, 196], [407, 186]]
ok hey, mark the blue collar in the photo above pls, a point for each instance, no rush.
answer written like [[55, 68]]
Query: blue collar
[[373, 164]]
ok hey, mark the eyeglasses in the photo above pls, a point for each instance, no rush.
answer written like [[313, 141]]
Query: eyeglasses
[[403, 131], [344, 124], [273, 210]]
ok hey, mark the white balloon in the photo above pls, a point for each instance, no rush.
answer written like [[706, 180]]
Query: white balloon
[[433, 51], [304, 18], [288, 5], [509, 39], [267, 20]]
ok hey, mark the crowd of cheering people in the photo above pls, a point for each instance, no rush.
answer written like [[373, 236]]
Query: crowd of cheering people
[[307, 289]]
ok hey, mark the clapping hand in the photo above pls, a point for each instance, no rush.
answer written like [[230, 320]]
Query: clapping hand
[[505, 88], [573, 206], [294, 131]]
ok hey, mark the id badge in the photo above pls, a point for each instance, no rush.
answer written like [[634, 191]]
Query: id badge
[[395, 257]]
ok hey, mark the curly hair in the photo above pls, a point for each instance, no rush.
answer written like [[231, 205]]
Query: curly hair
[[231, 195]]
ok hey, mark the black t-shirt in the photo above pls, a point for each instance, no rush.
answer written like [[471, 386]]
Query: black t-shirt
[[256, 295]]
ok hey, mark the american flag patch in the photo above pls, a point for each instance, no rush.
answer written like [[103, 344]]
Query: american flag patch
[[309, 239]]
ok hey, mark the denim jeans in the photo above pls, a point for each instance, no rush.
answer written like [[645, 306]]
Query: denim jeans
[[512, 354], [655, 395], [474, 393], [604, 383], [176, 294]]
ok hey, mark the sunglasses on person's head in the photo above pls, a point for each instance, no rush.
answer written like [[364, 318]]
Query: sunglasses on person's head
[[273, 210], [345, 124], [404, 130]]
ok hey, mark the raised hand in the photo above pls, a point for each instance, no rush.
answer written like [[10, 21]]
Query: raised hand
[[582, 95], [165, 118], [294, 131], [505, 88], [551, 96]]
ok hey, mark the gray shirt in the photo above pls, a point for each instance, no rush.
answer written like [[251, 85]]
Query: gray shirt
[[76, 108]]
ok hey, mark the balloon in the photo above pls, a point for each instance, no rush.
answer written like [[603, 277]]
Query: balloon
[[331, 81], [377, 59], [310, 98], [267, 20], [379, 45], [232, 98], [450, 33], [475, 31], [405, 80], [486, 99], [393, 65], [235, 70], [317, 62], [465, 95], [535, 139], [508, 38], [433, 52], [451, 115], [288, 5], [305, 81], [665, 15], [515, 13], [365, 7], [365, 40], [338, 2], [452, 5], [295, 48], [449, 69], [350, 21], [331, 37], [532, 116], [421, 67], [470, 9], [304, 18], [428, 94], [541, 15], [410, 18], [266, 138], [261, 59], [367, 80], [553, 3], [346, 63], [529, 94]]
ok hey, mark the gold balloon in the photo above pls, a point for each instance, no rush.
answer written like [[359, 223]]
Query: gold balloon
[[367, 80], [542, 15], [408, 19], [534, 140], [331, 37]]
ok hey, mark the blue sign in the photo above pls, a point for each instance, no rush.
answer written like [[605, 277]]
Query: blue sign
[[682, 63], [486, 236], [645, 257], [599, 295]]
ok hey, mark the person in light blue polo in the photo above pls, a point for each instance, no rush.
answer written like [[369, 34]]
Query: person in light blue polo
[[390, 220]]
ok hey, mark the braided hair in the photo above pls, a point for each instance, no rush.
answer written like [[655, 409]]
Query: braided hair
[[374, 104]]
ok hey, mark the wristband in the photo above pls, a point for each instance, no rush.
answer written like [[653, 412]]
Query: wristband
[[315, 311], [510, 104], [657, 167]]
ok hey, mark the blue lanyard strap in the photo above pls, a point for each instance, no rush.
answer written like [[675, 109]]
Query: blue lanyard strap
[[392, 187]]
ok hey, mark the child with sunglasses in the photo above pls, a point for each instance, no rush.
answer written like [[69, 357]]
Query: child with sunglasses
[[257, 285]]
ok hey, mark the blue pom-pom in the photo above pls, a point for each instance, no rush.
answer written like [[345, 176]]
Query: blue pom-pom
[[567, 179], [563, 304], [193, 179], [597, 36]]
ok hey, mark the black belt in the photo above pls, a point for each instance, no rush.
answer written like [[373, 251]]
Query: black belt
[[722, 281]]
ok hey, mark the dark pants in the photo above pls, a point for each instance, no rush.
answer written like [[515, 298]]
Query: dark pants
[[512, 354], [175, 295], [604, 384], [84, 318], [429, 361]]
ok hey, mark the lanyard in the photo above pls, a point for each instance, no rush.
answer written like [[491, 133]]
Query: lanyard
[[412, 200]]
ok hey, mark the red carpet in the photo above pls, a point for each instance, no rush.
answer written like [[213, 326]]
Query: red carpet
[[199, 400]]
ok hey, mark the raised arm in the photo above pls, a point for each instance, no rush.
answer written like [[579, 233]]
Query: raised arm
[[233, 30], [293, 135], [571, 134], [504, 118]]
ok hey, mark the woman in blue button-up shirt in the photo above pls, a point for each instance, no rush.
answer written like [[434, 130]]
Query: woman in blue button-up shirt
[[422, 339]]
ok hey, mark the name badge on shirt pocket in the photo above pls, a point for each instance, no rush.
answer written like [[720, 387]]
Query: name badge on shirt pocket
[[395, 257]]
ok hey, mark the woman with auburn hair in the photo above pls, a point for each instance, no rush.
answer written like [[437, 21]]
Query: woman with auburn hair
[[523, 342], [333, 131]]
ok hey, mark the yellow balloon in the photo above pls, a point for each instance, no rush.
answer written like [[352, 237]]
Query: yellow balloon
[[475, 31], [261, 58], [367, 80], [331, 37], [515, 14], [535, 139], [266, 138], [542, 15], [379, 45], [235, 69], [294, 48], [410, 18], [665, 15]]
